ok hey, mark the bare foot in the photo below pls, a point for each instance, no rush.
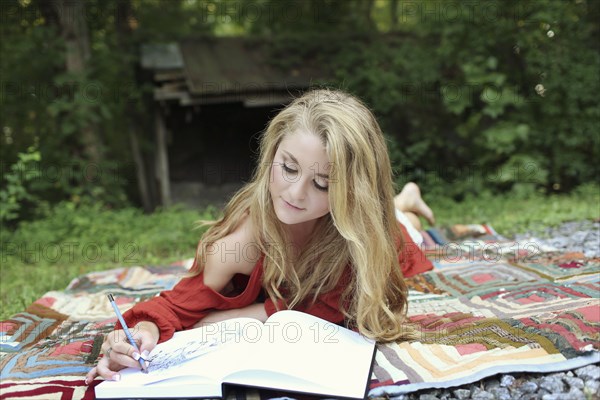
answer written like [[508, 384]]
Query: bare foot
[[409, 199]]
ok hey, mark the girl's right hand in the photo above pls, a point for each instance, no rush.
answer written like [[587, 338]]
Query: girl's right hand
[[119, 353]]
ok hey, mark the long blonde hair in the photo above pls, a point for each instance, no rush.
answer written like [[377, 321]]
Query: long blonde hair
[[360, 233]]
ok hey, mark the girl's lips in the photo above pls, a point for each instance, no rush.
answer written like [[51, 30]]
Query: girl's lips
[[292, 206]]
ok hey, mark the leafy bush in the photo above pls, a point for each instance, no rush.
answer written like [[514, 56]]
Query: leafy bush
[[18, 191], [488, 96]]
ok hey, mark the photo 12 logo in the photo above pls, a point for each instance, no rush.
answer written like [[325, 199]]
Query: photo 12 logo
[[270, 332], [32, 253]]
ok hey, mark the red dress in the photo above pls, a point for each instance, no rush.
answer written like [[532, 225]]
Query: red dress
[[191, 300]]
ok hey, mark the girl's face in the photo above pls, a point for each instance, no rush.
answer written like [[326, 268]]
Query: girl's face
[[300, 179]]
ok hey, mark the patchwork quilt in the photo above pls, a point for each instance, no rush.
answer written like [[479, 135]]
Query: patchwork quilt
[[491, 305]]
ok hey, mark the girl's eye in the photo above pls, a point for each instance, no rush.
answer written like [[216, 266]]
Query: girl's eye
[[288, 169], [321, 188], [293, 171]]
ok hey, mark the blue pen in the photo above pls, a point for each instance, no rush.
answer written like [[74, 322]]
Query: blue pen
[[126, 329]]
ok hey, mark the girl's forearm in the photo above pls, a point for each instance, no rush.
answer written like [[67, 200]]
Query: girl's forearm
[[256, 311]]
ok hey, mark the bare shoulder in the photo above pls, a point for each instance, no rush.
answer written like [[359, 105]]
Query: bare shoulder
[[240, 247], [235, 253]]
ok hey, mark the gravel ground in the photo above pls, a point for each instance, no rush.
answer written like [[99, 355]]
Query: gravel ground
[[579, 384], [582, 236]]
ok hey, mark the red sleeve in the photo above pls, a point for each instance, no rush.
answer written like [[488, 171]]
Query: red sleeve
[[412, 259], [190, 301]]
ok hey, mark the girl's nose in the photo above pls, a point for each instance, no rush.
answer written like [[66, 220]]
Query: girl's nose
[[298, 190]]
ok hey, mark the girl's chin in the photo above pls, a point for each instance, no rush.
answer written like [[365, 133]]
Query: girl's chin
[[285, 219]]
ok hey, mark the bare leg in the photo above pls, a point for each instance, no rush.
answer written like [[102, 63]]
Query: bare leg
[[409, 200], [414, 220]]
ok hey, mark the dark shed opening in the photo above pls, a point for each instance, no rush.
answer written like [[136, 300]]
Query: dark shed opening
[[213, 98]]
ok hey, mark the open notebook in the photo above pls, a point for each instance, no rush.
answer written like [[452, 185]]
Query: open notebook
[[291, 352]]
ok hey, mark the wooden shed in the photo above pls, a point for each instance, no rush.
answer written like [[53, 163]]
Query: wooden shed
[[213, 98]]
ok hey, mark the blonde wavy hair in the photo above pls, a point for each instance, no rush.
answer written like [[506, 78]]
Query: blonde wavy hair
[[360, 232]]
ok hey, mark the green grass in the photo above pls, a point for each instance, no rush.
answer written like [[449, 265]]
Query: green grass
[[509, 214], [47, 254]]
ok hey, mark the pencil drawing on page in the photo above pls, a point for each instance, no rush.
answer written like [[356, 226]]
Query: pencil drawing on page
[[166, 358]]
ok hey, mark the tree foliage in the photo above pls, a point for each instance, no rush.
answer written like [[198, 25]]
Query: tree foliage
[[491, 95]]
